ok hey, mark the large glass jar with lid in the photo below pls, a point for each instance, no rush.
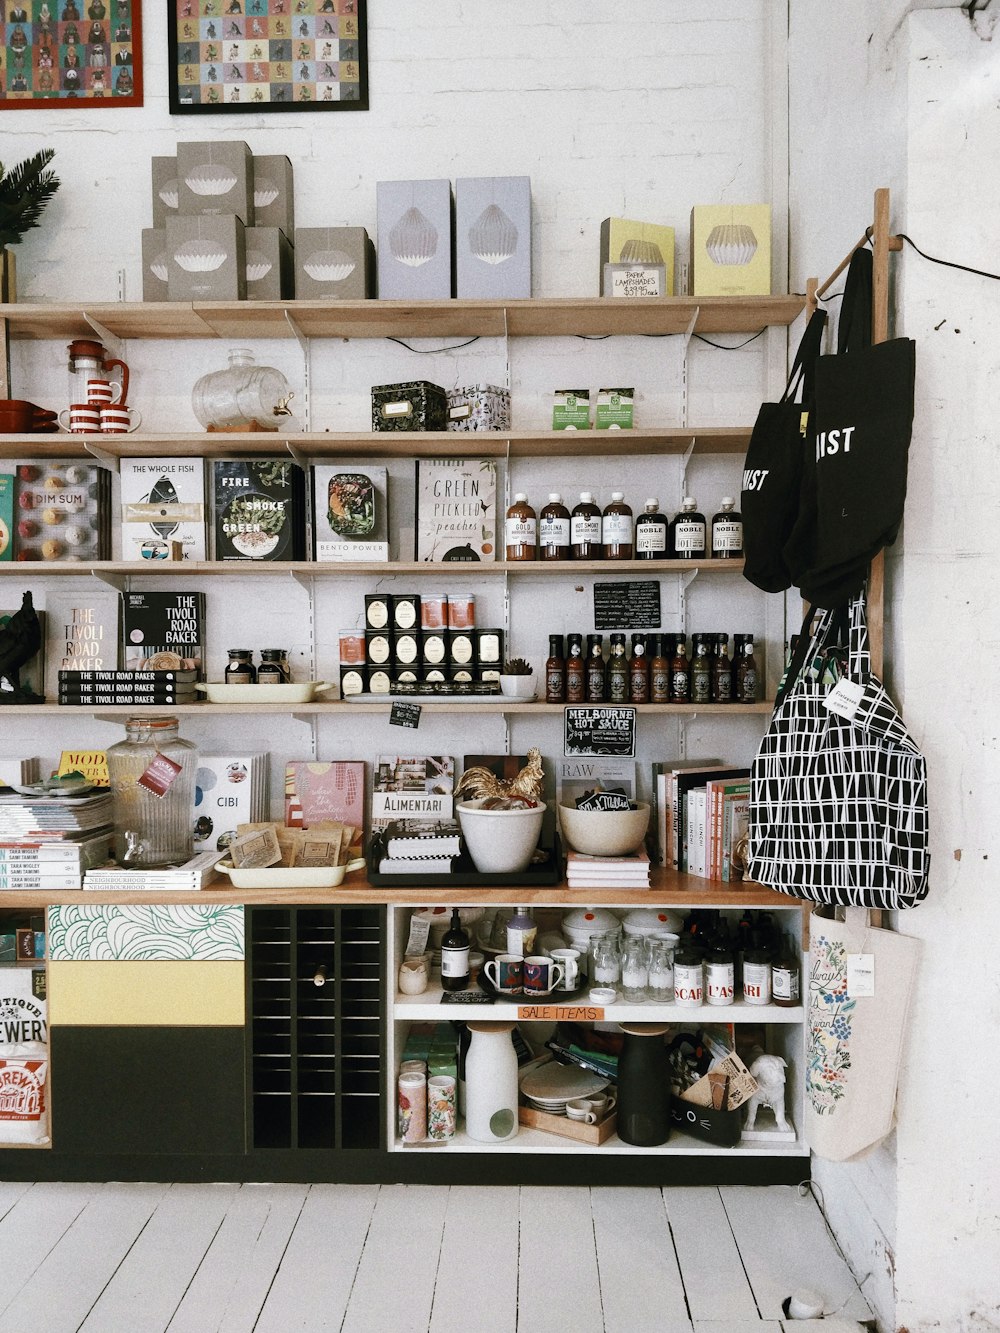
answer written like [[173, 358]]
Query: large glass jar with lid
[[152, 775], [244, 394]]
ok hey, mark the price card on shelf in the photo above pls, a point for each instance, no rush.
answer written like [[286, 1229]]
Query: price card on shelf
[[559, 1013], [404, 714]]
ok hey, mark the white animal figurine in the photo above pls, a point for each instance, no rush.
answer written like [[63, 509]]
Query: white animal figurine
[[769, 1071]]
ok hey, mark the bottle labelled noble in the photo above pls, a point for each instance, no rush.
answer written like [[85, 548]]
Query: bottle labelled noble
[[651, 533], [585, 529], [638, 671], [701, 674], [616, 529], [594, 678], [521, 530], [785, 976], [680, 674], [455, 955], [616, 676], [659, 672], [727, 531], [555, 671], [553, 530], [746, 676], [575, 670], [722, 672], [688, 539]]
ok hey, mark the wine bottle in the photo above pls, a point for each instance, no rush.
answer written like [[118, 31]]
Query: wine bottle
[[455, 955]]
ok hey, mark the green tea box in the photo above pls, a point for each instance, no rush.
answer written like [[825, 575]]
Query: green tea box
[[571, 409], [731, 250], [614, 409], [637, 243]]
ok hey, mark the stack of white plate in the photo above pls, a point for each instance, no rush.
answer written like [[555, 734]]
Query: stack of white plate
[[550, 1086]]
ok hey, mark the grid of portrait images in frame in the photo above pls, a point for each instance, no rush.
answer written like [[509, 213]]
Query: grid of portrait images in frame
[[272, 55], [59, 51]]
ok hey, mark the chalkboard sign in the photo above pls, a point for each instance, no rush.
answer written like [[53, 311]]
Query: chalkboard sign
[[629, 605], [598, 730], [404, 715]]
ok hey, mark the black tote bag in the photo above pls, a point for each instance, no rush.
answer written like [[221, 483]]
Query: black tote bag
[[769, 499], [854, 481]]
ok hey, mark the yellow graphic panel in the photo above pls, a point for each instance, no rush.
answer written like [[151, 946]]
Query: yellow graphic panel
[[161, 994]]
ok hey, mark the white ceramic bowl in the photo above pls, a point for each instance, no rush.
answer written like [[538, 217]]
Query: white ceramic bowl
[[579, 923], [651, 921], [500, 842], [604, 832]]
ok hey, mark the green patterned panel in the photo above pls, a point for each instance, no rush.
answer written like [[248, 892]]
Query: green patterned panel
[[140, 932]]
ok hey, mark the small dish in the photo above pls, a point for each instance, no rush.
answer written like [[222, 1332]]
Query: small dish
[[217, 692], [603, 995], [289, 877]]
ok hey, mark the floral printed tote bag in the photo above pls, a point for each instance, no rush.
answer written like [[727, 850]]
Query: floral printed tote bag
[[860, 982]]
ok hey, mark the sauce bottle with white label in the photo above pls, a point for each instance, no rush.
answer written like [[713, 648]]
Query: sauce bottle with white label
[[688, 531], [651, 533], [727, 531], [553, 530], [521, 530], [616, 529], [585, 529]]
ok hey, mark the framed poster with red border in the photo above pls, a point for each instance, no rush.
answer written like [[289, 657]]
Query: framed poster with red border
[[231, 56], [57, 53]]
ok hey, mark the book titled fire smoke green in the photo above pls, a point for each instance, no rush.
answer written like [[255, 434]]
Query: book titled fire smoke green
[[258, 510]]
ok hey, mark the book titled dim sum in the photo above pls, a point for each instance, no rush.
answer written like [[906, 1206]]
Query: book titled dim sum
[[350, 513], [456, 509], [258, 510], [163, 631]]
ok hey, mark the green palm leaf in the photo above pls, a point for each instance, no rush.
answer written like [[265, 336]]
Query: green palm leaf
[[24, 192]]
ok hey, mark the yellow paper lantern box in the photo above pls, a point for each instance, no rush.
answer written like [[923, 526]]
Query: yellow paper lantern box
[[627, 242], [731, 250]]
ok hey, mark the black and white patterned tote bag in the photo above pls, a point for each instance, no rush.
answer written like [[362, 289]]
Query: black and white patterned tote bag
[[838, 790]]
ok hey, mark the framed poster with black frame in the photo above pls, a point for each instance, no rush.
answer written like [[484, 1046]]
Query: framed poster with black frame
[[268, 55], [66, 53]]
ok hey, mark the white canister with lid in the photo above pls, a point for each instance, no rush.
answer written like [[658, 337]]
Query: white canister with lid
[[579, 923]]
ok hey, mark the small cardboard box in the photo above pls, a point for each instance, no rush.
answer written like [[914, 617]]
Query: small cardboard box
[[166, 190], [206, 259], [493, 236], [216, 178], [731, 250], [415, 240], [273, 193], [648, 243], [571, 409], [154, 264], [614, 409], [334, 264], [269, 264]]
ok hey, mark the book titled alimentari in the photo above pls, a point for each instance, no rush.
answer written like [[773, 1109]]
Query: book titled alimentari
[[412, 787]]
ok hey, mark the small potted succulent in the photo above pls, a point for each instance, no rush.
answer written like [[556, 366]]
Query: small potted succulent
[[517, 679]]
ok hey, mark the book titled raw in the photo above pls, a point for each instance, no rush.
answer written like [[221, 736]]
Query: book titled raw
[[163, 631], [316, 791], [163, 501], [258, 510], [350, 513], [456, 509], [412, 787]]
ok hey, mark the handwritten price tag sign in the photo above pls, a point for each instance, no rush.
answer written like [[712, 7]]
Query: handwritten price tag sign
[[560, 1013]]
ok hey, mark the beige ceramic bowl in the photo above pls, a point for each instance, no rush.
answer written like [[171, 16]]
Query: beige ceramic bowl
[[604, 832]]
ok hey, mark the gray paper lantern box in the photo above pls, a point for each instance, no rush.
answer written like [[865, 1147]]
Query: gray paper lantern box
[[215, 179], [166, 190], [493, 237], [206, 259], [273, 194], [415, 240], [270, 264], [154, 264], [333, 264]]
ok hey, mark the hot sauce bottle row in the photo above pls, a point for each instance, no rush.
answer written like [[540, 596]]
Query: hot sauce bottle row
[[613, 534], [658, 669]]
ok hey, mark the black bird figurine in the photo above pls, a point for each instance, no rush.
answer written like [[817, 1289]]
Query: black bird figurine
[[20, 640]]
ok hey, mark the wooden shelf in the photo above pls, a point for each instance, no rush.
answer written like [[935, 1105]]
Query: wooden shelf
[[541, 317], [385, 444], [343, 569], [428, 1006], [669, 888], [346, 707]]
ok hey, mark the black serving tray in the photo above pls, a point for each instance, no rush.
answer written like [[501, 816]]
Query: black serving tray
[[466, 876]]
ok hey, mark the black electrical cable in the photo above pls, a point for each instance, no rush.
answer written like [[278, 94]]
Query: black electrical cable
[[432, 351], [948, 263]]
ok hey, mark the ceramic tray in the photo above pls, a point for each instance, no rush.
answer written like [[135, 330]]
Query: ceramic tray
[[220, 693], [288, 877]]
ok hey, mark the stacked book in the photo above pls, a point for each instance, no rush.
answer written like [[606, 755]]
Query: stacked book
[[188, 877], [607, 872], [43, 818], [57, 864], [108, 688], [420, 847]]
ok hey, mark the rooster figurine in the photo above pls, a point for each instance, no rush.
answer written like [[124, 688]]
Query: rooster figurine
[[20, 640], [480, 784]]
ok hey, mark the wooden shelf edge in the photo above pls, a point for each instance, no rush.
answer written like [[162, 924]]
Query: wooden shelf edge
[[345, 708], [345, 568]]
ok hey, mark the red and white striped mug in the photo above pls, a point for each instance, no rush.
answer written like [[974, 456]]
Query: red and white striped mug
[[81, 418], [119, 420]]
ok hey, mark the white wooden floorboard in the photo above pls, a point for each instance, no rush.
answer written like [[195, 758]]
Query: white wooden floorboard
[[478, 1248], [714, 1281], [153, 1277], [10, 1192], [394, 1288], [73, 1275], [641, 1286], [784, 1244], [34, 1227], [317, 1270], [558, 1284], [230, 1287], [742, 1326]]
